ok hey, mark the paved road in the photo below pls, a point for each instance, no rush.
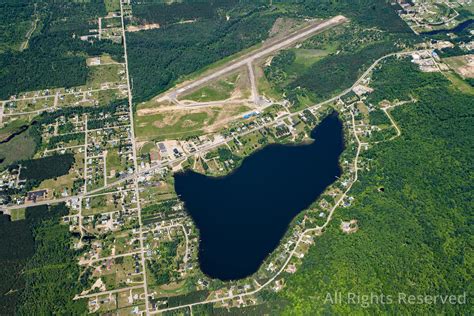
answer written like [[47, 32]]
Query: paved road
[[293, 251], [242, 61], [7, 209], [135, 163], [253, 83]]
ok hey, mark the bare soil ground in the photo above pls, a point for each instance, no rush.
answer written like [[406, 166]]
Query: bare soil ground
[[463, 65], [136, 28]]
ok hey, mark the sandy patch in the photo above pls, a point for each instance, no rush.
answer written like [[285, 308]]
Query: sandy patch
[[137, 28], [166, 121], [189, 123]]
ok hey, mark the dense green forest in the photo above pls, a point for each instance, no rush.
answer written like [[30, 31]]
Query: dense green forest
[[166, 14], [37, 170], [54, 49], [158, 58], [40, 275], [352, 48], [15, 20], [414, 237], [338, 72], [16, 246]]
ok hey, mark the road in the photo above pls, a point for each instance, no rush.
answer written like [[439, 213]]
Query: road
[[137, 173], [91, 261], [253, 84], [293, 251], [249, 58], [135, 162], [24, 45], [331, 212], [77, 297], [6, 210], [55, 102]]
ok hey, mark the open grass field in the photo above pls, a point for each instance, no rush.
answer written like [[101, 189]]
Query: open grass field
[[114, 162], [20, 147], [305, 58], [112, 5], [215, 91], [100, 204], [11, 127], [264, 87], [104, 73], [18, 214], [458, 83], [179, 124]]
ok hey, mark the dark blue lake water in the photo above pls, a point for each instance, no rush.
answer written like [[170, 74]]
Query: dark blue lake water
[[243, 216]]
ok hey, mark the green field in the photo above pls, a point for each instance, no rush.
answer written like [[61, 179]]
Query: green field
[[18, 214], [112, 5], [102, 74], [20, 147], [179, 124], [11, 127], [304, 58], [215, 91], [148, 127]]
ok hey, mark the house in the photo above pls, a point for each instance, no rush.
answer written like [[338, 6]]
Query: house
[[33, 196]]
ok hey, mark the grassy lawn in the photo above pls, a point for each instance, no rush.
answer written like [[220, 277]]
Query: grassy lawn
[[18, 214], [104, 73], [178, 124], [147, 147], [58, 185], [107, 96], [112, 5], [169, 126], [172, 289], [215, 91], [459, 83], [114, 161], [18, 148], [305, 58], [100, 204]]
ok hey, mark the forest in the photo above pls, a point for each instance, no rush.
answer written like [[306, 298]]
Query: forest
[[414, 236], [41, 269], [16, 247], [15, 16], [37, 170], [160, 57], [351, 49], [167, 14], [339, 72], [53, 49]]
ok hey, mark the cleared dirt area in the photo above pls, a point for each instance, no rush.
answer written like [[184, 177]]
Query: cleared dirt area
[[463, 65], [137, 28]]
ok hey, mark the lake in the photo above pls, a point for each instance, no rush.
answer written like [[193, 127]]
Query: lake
[[243, 216]]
